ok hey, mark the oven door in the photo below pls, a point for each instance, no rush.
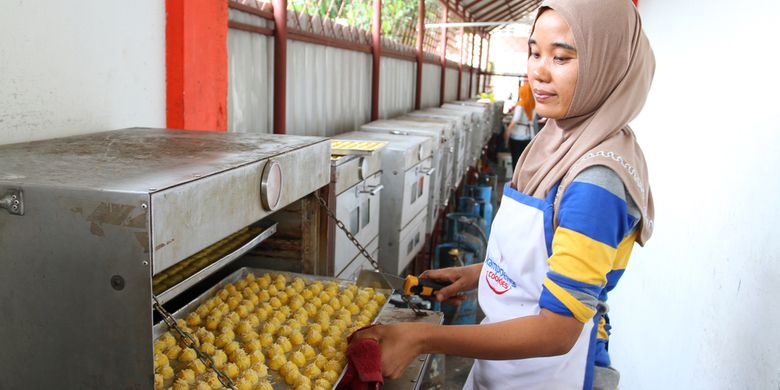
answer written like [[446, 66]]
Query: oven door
[[358, 208]]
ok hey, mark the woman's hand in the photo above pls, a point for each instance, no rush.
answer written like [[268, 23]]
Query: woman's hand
[[462, 279], [400, 343]]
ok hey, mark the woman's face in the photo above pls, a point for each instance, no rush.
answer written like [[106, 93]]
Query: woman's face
[[552, 65]]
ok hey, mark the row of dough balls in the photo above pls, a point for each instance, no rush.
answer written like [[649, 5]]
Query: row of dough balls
[[296, 328]]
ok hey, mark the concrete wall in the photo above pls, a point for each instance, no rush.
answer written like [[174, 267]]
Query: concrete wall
[[698, 307], [79, 67]]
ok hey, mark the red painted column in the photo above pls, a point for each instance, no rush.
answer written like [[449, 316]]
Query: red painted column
[[471, 68], [420, 38], [479, 64], [376, 50], [487, 65], [280, 66], [442, 85], [196, 64], [460, 65]]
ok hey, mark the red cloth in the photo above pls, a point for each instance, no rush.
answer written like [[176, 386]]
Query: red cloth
[[364, 364]]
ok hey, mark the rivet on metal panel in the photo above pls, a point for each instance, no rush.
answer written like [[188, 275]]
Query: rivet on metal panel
[[144, 206], [145, 262], [117, 282]]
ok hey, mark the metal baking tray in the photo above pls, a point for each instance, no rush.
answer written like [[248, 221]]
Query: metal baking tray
[[209, 269], [276, 380]]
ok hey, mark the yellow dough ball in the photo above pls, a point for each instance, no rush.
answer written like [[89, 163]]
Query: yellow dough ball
[[223, 294], [302, 382], [233, 302], [243, 311], [219, 358], [212, 321], [256, 357], [292, 376], [308, 351], [344, 300], [250, 376], [312, 371], [353, 309], [332, 365], [253, 320], [276, 362], [327, 309], [331, 375], [270, 327], [263, 296], [243, 384], [335, 303], [285, 330], [193, 319], [244, 327], [253, 345], [186, 375], [296, 302], [212, 380], [279, 285], [230, 287], [204, 336], [167, 372], [158, 381], [264, 386], [320, 361], [160, 360], [314, 337], [275, 350], [322, 384], [261, 313], [168, 340], [380, 298], [287, 367], [181, 384], [266, 340], [261, 369], [296, 338], [173, 352], [223, 339], [280, 278], [307, 294], [282, 297], [311, 308], [197, 367], [325, 297], [298, 284], [329, 352], [285, 343], [159, 346], [275, 302], [361, 299], [231, 370], [243, 362], [298, 359], [208, 348], [327, 342]]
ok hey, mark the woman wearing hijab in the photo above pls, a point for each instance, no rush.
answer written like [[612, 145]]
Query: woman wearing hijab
[[561, 240], [520, 130]]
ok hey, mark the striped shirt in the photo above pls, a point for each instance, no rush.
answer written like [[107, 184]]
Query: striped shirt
[[597, 222]]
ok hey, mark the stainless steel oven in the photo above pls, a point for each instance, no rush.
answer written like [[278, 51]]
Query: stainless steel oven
[[407, 166]]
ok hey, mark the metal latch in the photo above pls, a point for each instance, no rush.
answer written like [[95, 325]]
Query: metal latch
[[373, 190], [428, 172], [13, 202]]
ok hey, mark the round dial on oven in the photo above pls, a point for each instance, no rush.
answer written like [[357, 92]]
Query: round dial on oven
[[420, 153], [362, 168], [271, 185]]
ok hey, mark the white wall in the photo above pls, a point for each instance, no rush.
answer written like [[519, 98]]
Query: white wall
[[698, 307], [431, 82], [397, 85], [451, 85], [328, 89], [78, 67], [250, 76]]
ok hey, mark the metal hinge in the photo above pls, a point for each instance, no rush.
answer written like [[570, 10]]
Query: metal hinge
[[13, 202]]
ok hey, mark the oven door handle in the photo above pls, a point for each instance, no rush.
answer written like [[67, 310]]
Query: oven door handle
[[372, 190], [429, 171]]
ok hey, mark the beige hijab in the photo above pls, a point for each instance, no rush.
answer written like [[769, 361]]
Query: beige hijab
[[616, 66]]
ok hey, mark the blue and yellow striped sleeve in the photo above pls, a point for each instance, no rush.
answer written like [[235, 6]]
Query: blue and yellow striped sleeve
[[594, 218]]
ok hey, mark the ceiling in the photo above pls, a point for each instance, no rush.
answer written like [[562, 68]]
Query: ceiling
[[492, 10]]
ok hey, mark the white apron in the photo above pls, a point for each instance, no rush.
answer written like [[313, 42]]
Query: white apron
[[510, 285]]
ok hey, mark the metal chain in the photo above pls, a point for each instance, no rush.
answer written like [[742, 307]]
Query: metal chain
[[363, 250], [189, 342]]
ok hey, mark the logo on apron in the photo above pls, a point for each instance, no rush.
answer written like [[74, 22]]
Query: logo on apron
[[497, 279]]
